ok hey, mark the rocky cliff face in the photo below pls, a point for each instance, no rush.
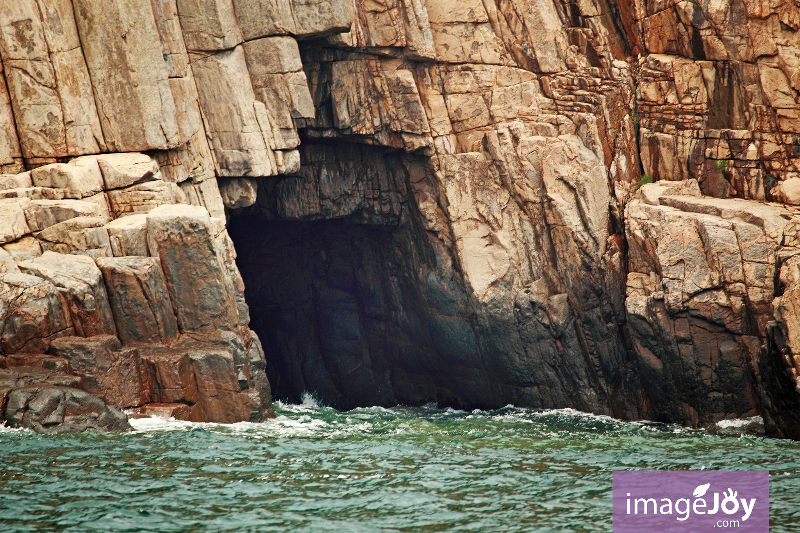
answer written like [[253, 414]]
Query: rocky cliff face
[[427, 201]]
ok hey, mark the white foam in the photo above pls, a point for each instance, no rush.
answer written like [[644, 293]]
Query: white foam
[[740, 422], [6, 429]]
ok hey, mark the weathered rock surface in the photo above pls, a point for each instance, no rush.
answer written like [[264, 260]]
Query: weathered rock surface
[[47, 400], [81, 298], [429, 201], [61, 410]]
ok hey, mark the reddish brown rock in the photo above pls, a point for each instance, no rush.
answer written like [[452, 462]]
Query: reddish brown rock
[[81, 283], [107, 370], [56, 364], [181, 237], [34, 314], [139, 300], [202, 378]]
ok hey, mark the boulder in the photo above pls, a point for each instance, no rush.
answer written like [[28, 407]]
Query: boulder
[[143, 197], [124, 170], [79, 235], [181, 237], [33, 313], [107, 370], [81, 283], [15, 181], [128, 235], [24, 249], [78, 180], [238, 192], [61, 410], [139, 300], [787, 192], [13, 223], [41, 214]]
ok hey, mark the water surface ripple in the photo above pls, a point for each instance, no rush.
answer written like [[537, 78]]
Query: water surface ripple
[[315, 469]]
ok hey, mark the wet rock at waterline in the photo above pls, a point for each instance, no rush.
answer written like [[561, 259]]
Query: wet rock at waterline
[[428, 201], [97, 317]]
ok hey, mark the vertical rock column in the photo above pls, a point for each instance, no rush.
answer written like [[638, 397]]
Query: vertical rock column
[[132, 91], [181, 236], [237, 124]]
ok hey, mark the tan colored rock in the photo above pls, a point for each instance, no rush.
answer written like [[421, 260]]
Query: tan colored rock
[[466, 42], [80, 236], [7, 263], [467, 112], [79, 180], [192, 160], [486, 262], [123, 170], [128, 235], [143, 197], [10, 151], [237, 124], [259, 18], [238, 192], [208, 24], [576, 184], [31, 80], [787, 192], [206, 194], [82, 125], [272, 55], [33, 314], [15, 181], [24, 249], [139, 300], [13, 224], [165, 13], [322, 17], [280, 84], [371, 95], [41, 214], [106, 369], [34, 193], [81, 282], [181, 236], [50, 50], [269, 57], [134, 100], [37, 108]]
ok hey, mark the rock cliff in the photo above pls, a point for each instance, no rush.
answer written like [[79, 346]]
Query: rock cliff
[[406, 201]]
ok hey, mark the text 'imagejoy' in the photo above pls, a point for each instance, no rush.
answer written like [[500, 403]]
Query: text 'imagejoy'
[[698, 501]]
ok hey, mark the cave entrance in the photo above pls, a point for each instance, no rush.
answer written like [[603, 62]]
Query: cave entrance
[[337, 309]]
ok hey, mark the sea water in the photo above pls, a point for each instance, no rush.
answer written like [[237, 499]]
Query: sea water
[[316, 469]]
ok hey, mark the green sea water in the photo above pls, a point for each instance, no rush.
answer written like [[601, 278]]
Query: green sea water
[[315, 469]]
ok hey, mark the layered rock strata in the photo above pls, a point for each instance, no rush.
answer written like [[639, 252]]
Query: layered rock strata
[[430, 201], [132, 297]]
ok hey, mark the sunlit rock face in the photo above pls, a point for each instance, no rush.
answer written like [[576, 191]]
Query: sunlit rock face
[[407, 202]]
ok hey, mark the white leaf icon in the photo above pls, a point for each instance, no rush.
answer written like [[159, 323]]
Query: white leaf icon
[[699, 491]]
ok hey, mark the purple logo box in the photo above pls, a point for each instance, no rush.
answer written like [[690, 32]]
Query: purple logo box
[[696, 501]]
